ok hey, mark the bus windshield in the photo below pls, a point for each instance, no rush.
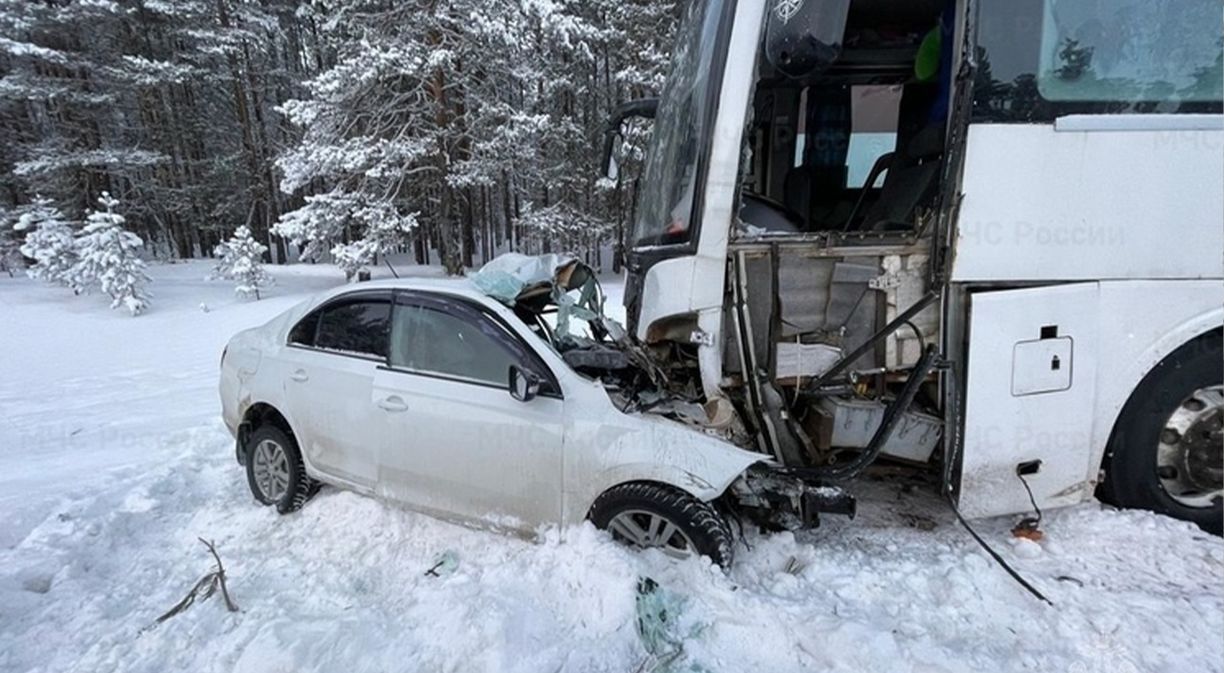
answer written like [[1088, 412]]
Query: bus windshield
[[681, 123]]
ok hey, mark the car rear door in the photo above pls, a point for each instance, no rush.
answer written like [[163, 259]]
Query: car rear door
[[332, 357], [454, 442]]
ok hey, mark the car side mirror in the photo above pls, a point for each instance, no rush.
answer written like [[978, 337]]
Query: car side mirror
[[524, 384]]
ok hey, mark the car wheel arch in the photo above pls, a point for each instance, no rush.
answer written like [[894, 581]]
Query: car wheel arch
[[703, 488], [255, 415], [706, 526]]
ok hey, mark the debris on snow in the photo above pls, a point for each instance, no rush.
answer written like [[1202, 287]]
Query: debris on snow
[[203, 589], [446, 563], [1028, 530], [659, 627], [794, 566]]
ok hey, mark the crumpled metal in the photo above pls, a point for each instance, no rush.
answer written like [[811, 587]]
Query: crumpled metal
[[508, 276]]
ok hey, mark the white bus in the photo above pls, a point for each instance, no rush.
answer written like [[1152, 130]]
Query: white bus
[[984, 236]]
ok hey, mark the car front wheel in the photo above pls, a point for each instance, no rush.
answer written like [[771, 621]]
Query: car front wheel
[[647, 515], [274, 470]]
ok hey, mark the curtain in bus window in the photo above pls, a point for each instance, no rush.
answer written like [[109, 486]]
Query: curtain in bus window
[[1132, 51]]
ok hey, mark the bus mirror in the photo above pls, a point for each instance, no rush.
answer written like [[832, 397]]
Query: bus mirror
[[803, 38], [612, 138], [641, 107]]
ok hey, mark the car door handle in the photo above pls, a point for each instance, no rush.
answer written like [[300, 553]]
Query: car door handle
[[393, 403], [299, 375]]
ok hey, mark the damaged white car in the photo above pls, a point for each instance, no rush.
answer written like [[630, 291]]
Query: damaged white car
[[508, 401]]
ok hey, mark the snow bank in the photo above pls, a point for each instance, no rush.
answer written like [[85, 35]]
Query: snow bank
[[343, 586]]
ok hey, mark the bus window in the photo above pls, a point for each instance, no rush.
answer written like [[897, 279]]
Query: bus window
[[1041, 59], [1131, 50], [873, 134]]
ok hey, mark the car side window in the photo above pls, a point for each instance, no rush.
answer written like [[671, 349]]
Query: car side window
[[303, 333], [357, 327], [430, 340]]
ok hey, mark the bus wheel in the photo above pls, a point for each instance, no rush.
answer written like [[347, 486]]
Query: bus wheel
[[1167, 451]]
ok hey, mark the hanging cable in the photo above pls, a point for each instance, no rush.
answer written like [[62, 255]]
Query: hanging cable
[[917, 333], [1029, 523], [948, 467], [995, 555]]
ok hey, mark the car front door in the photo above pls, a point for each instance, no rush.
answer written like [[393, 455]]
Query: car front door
[[454, 442], [331, 360]]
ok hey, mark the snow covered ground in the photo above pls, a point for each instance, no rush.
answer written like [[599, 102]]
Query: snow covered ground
[[113, 462]]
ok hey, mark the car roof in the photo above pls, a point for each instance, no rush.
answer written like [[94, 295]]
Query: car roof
[[462, 287]]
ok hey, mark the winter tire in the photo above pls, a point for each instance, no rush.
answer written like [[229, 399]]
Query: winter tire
[[274, 470], [1166, 450], [645, 515]]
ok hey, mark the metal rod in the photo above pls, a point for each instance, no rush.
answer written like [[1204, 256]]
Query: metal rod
[[891, 327]]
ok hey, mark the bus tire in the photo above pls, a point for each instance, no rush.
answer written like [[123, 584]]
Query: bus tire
[[1137, 465]]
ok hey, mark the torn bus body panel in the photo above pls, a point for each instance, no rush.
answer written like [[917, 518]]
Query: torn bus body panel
[[821, 344], [826, 395]]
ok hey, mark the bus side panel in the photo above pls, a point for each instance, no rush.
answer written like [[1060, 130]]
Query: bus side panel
[[1056, 202], [1030, 395], [1017, 410], [1141, 323]]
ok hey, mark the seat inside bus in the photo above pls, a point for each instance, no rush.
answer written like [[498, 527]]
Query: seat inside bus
[[854, 144]]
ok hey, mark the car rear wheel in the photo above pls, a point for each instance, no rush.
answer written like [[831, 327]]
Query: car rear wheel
[[646, 515], [1167, 452], [275, 472]]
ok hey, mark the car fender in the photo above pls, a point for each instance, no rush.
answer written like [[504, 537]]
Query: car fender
[[651, 448]]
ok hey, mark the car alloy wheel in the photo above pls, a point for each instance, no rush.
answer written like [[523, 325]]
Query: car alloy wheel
[[643, 529], [270, 467]]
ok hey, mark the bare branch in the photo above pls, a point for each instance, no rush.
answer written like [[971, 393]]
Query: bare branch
[[202, 590]]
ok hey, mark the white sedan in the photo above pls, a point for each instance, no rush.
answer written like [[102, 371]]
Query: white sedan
[[435, 395]]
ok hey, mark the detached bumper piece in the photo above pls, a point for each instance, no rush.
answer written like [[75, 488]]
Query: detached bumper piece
[[776, 500]]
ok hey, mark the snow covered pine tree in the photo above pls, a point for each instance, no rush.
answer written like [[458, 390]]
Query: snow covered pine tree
[[385, 232], [10, 256], [242, 262], [49, 242], [109, 258]]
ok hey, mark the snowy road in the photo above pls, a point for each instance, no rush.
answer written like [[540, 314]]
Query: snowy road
[[113, 462]]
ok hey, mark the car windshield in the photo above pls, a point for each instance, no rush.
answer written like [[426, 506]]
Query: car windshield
[[665, 213]]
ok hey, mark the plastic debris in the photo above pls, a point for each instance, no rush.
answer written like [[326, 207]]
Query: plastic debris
[[658, 625], [444, 564]]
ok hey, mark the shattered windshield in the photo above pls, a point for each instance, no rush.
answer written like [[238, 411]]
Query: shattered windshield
[[557, 296], [665, 213]]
